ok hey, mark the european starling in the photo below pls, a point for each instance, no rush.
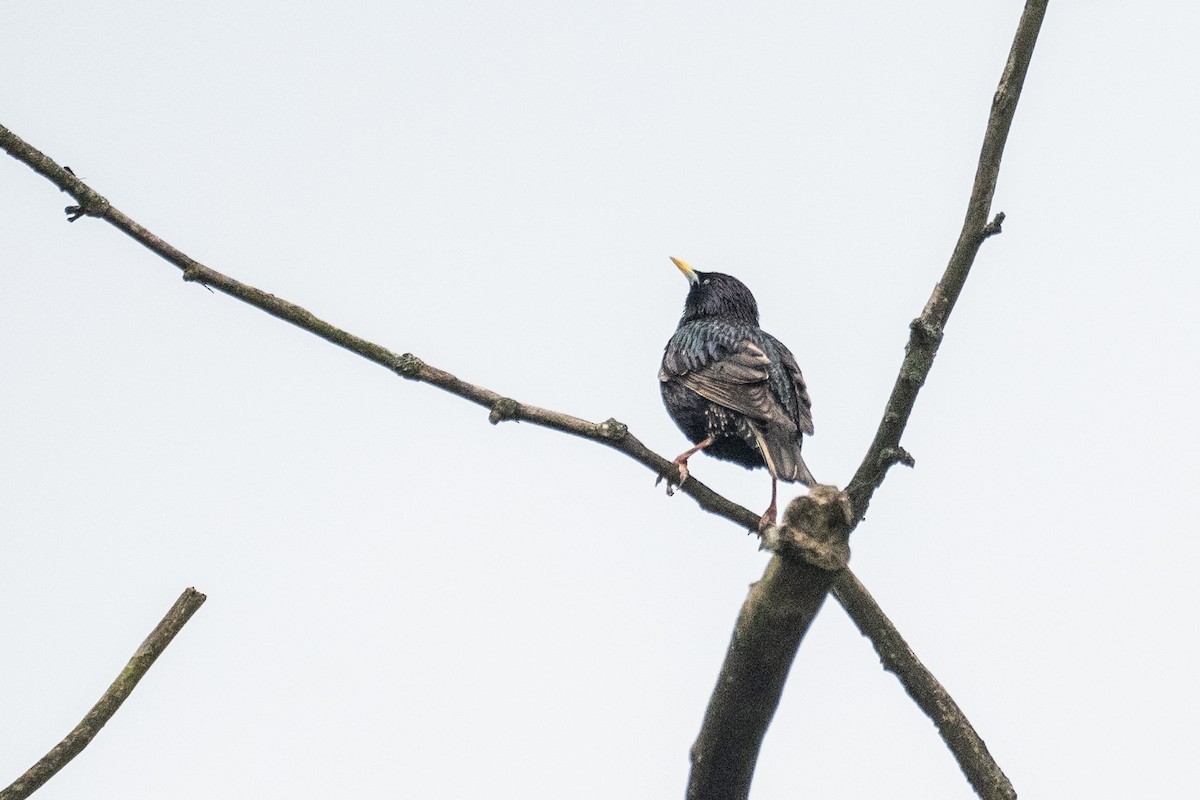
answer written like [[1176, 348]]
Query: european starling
[[733, 389]]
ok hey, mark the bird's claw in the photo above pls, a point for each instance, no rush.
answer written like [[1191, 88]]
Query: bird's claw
[[672, 485]]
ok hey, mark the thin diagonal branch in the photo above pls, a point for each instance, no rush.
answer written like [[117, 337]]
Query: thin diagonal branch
[[925, 332], [611, 432], [188, 603], [898, 658]]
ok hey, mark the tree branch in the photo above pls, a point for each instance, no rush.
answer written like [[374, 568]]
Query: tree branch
[[925, 332], [898, 658], [813, 547], [611, 432], [45, 769]]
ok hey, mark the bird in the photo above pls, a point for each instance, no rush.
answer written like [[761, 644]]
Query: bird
[[733, 389]]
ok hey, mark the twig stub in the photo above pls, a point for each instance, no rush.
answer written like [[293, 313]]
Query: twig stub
[[994, 227]]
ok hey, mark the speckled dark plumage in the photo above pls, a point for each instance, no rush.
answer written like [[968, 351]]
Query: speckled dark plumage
[[725, 379]]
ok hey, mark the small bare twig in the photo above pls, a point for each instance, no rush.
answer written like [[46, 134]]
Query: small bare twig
[[45, 769]]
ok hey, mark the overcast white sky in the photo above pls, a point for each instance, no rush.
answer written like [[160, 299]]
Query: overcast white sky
[[407, 601]]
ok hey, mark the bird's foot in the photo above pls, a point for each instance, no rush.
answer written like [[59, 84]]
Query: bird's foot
[[681, 467], [768, 519], [680, 462]]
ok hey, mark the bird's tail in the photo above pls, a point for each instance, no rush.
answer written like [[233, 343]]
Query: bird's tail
[[782, 454], [803, 475]]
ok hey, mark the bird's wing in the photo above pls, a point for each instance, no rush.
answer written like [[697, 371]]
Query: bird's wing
[[803, 411], [735, 376]]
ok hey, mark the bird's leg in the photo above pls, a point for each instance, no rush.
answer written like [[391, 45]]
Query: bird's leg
[[769, 516], [681, 462]]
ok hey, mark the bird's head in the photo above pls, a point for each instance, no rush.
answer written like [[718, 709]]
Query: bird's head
[[714, 295]]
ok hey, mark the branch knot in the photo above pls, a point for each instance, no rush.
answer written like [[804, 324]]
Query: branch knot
[[505, 409], [91, 204], [407, 366], [612, 430], [925, 333], [194, 272], [816, 528]]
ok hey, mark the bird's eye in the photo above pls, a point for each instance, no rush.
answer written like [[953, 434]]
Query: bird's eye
[[705, 281]]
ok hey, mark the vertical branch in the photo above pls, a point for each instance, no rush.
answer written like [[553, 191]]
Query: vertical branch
[[777, 613], [812, 547]]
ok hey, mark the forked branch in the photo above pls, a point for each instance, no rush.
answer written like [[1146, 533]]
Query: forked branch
[[726, 751], [885, 451], [611, 433]]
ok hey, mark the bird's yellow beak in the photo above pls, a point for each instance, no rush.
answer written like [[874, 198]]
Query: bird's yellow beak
[[686, 269]]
